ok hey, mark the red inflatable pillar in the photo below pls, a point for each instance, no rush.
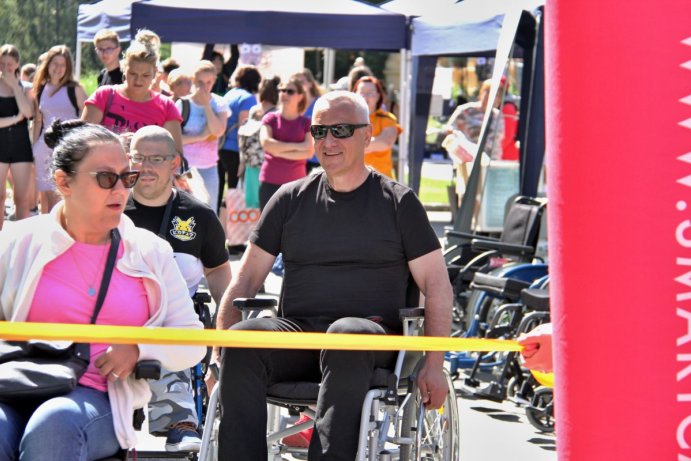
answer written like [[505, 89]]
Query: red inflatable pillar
[[618, 107]]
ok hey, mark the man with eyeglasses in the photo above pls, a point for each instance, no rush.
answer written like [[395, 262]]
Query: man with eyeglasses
[[368, 235], [107, 46], [198, 242]]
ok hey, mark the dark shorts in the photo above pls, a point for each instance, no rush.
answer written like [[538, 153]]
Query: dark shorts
[[15, 145]]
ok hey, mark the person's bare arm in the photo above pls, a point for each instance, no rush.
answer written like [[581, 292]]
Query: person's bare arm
[[92, 114], [218, 279], [254, 267], [21, 96], [290, 150], [383, 140], [174, 128], [11, 120], [430, 274], [81, 96]]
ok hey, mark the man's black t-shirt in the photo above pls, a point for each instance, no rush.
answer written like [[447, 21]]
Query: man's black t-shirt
[[192, 229], [113, 77], [345, 254]]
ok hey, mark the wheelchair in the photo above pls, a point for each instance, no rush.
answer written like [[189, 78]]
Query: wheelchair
[[510, 321], [468, 254], [151, 369], [394, 424]]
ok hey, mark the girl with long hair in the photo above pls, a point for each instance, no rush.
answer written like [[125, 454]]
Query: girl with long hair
[[58, 96]]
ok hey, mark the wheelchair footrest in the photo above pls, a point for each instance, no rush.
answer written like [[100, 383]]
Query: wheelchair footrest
[[494, 391]]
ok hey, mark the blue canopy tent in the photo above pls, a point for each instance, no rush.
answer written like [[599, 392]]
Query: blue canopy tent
[[343, 24], [106, 14], [336, 24], [473, 28]]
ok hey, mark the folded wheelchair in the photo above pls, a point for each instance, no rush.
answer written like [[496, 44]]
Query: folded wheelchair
[[394, 424]]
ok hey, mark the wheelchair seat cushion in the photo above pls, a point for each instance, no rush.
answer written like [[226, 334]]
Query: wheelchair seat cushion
[[499, 287], [305, 393]]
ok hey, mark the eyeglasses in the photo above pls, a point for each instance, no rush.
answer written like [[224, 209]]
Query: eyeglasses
[[105, 50], [108, 179], [151, 159], [288, 91], [340, 131]]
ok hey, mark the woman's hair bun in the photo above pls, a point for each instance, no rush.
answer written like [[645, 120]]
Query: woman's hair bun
[[149, 39], [59, 129]]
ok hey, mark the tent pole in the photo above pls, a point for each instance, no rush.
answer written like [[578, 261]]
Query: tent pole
[[329, 67], [78, 60], [464, 217], [404, 114]]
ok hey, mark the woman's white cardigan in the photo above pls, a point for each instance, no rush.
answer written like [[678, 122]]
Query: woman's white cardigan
[[28, 245]]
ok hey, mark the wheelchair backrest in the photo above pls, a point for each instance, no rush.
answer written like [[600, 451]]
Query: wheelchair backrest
[[522, 222]]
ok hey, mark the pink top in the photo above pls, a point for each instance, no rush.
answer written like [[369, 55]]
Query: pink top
[[124, 115], [277, 170], [62, 297]]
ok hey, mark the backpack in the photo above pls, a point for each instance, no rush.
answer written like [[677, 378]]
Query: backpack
[[185, 112], [251, 152]]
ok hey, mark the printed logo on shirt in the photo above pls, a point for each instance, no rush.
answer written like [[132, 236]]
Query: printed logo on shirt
[[183, 230]]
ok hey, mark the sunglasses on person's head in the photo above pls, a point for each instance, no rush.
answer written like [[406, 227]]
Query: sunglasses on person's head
[[340, 131], [108, 179], [289, 91], [151, 159]]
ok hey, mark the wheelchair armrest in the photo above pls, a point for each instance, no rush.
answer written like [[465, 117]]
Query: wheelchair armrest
[[201, 297], [411, 313], [147, 369], [254, 304], [504, 248], [464, 235]]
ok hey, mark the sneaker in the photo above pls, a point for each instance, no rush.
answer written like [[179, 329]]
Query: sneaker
[[301, 439], [183, 437]]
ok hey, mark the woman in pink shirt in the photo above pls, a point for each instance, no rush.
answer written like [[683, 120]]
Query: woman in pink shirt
[[51, 267], [283, 137], [127, 107]]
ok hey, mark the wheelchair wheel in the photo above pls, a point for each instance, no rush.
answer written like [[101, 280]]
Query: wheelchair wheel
[[434, 433], [541, 412]]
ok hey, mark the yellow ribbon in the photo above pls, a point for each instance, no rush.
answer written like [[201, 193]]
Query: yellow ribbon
[[108, 334]]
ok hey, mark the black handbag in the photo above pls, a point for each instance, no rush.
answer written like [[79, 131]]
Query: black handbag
[[35, 371]]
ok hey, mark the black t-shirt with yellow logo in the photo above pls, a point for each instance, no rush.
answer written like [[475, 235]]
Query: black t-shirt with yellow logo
[[193, 230]]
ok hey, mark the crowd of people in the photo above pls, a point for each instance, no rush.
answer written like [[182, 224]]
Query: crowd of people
[[107, 168], [205, 109]]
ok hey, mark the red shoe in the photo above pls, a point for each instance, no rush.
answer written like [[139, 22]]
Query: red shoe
[[301, 439]]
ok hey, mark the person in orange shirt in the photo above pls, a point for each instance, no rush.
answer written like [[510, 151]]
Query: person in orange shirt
[[385, 128]]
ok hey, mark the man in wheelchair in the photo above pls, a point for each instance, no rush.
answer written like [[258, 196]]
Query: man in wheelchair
[[198, 242], [351, 240]]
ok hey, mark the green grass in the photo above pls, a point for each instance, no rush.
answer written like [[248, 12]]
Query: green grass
[[433, 191], [89, 82]]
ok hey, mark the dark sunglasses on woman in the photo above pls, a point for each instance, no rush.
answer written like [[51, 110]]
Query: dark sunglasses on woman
[[108, 179], [340, 131], [289, 91]]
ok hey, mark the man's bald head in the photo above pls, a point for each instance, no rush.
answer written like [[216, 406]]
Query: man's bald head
[[335, 98], [153, 133]]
